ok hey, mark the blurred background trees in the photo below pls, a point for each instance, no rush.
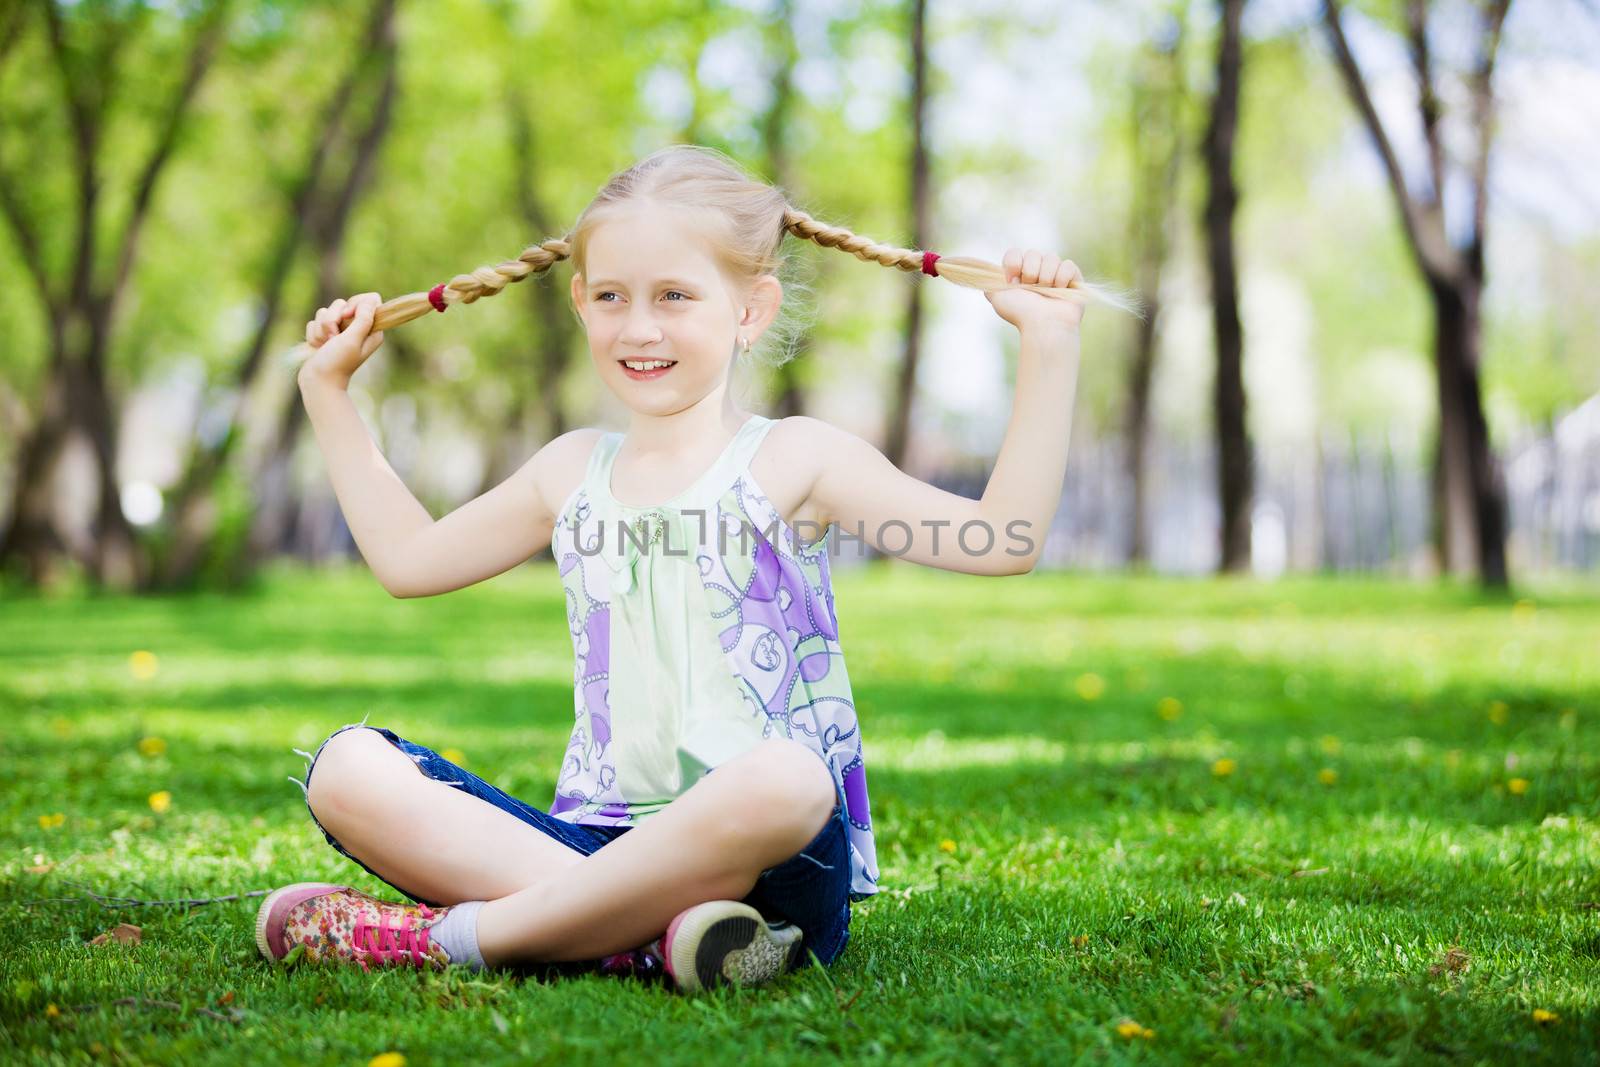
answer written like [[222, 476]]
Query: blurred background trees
[[1368, 219]]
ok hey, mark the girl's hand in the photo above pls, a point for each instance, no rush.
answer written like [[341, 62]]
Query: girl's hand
[[1025, 309], [340, 338]]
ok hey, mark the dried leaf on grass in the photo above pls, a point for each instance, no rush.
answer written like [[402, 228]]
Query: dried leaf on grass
[[125, 933]]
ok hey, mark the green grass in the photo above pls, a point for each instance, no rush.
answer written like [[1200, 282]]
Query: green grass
[[1101, 871]]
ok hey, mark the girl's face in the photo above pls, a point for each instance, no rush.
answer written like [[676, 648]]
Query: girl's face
[[653, 292]]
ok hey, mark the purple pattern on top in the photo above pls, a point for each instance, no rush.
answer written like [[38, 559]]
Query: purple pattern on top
[[773, 609]]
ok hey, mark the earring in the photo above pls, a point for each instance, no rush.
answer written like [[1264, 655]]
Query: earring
[[746, 342]]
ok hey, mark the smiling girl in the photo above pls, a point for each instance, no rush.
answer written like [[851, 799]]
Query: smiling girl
[[710, 819]]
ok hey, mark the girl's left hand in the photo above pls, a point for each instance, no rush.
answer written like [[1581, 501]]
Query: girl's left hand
[[1023, 308]]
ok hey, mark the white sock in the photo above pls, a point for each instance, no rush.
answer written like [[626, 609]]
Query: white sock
[[458, 933]]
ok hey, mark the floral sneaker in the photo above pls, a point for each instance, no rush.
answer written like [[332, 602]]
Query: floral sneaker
[[344, 925], [727, 941]]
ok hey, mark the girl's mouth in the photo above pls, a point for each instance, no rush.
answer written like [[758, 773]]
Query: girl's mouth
[[654, 368]]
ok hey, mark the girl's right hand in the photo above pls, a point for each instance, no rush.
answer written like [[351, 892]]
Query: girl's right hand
[[341, 339]]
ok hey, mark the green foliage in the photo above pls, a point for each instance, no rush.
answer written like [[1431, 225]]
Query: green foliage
[[1059, 854]]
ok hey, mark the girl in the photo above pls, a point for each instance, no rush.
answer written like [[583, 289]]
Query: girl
[[710, 820]]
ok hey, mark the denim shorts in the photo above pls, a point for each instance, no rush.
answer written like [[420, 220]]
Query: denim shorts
[[811, 889]]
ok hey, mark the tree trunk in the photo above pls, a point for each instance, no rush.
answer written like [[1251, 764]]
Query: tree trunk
[[789, 398], [32, 546], [1136, 432], [906, 382], [1233, 445], [1473, 515], [1157, 151]]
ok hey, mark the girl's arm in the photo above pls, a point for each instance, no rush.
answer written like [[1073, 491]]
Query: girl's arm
[[1003, 533], [410, 553]]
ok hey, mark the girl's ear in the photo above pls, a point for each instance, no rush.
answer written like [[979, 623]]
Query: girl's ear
[[577, 295], [761, 306]]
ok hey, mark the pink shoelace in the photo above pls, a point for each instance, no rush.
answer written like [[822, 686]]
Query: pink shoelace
[[390, 944]]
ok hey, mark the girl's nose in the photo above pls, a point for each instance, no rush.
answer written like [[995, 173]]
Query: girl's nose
[[639, 329]]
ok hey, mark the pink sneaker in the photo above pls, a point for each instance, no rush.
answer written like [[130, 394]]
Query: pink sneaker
[[644, 964], [727, 941], [341, 924]]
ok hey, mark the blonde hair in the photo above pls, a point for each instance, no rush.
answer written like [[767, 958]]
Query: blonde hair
[[745, 221]]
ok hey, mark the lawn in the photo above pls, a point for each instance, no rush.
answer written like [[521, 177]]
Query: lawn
[[1118, 818]]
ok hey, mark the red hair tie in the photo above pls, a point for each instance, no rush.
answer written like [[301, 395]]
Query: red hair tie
[[436, 297], [928, 260]]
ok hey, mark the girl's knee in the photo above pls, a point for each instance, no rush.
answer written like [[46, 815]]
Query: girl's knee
[[789, 783], [346, 767]]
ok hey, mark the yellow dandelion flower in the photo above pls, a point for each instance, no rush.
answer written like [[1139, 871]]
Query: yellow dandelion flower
[[52, 1011], [1544, 1018], [1130, 1030], [1517, 786], [1080, 940], [1499, 711], [143, 664], [947, 845], [456, 756], [387, 1059], [1327, 776], [160, 802], [1329, 744], [1090, 686], [1224, 767], [50, 822], [1169, 708], [152, 746]]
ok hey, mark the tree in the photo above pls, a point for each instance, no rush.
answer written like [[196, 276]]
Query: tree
[[1234, 475], [775, 140], [1157, 138], [80, 303], [278, 503], [312, 208], [1469, 486], [921, 211]]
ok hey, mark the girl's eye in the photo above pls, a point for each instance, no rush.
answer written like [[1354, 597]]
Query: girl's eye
[[602, 296]]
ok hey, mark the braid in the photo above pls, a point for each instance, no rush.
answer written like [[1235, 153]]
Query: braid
[[962, 270], [538, 258], [466, 288], [802, 225]]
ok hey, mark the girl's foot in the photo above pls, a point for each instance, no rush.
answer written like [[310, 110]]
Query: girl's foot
[[345, 925], [727, 941]]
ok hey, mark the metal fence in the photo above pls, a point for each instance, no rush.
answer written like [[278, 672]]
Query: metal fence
[[1352, 503], [1357, 503]]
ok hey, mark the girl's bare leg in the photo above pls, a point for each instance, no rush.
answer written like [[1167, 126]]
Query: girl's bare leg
[[712, 843], [548, 901], [433, 840]]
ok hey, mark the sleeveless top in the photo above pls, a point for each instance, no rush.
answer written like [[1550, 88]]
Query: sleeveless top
[[724, 630]]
